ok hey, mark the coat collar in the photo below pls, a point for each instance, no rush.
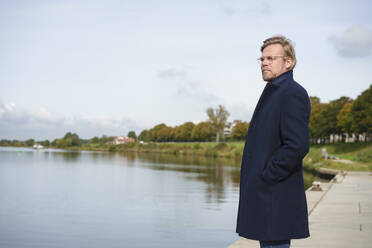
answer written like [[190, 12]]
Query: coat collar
[[278, 80]]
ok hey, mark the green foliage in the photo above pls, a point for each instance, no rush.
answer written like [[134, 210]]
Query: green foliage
[[341, 116], [361, 112], [112, 148], [132, 134], [331, 112], [317, 123], [196, 146], [30, 142], [94, 140], [218, 117], [45, 143], [239, 130], [324, 117], [144, 136], [314, 100], [71, 139], [184, 132], [204, 131], [360, 155], [220, 146], [344, 118]]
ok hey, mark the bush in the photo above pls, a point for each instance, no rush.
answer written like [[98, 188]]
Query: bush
[[112, 148]]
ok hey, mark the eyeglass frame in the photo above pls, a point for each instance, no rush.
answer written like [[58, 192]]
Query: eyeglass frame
[[270, 59]]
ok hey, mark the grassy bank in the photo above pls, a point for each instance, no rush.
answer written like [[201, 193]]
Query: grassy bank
[[352, 156]]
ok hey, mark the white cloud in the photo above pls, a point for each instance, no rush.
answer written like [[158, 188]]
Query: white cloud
[[172, 73], [239, 111], [356, 41], [17, 123], [185, 89], [248, 9], [44, 115]]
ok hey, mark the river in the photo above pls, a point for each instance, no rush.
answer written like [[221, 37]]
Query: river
[[55, 198]]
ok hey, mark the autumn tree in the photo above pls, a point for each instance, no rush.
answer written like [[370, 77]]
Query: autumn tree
[[239, 130], [361, 112], [144, 135], [184, 132], [203, 131], [330, 114], [317, 122], [344, 118], [218, 117], [165, 134]]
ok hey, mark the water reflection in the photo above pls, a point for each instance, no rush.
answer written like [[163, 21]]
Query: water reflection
[[211, 170], [216, 173], [102, 199]]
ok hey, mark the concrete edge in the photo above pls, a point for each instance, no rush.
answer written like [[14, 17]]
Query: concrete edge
[[338, 176]]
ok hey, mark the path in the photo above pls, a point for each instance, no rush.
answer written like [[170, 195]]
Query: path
[[339, 216]]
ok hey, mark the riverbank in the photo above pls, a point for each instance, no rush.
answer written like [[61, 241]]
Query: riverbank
[[351, 156]]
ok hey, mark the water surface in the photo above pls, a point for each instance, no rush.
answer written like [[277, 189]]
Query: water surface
[[56, 198]]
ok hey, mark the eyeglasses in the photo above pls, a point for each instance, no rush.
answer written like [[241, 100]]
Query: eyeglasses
[[270, 59]]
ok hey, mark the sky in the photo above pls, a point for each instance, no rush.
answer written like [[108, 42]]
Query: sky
[[108, 67]]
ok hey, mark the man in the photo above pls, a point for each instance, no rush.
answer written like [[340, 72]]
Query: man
[[272, 203]]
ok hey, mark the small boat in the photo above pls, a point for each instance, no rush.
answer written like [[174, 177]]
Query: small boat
[[37, 146]]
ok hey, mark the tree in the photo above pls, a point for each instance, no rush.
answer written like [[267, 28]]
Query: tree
[[132, 134], [317, 122], [361, 112], [165, 134], [45, 143], [184, 132], [153, 132], [203, 131], [30, 142], [314, 100], [330, 114], [144, 135], [344, 118], [71, 139], [94, 140], [218, 118], [239, 130]]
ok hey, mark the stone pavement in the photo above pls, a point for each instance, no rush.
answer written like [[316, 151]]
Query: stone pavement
[[339, 216]]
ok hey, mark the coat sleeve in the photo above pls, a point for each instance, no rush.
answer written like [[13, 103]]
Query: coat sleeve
[[294, 138]]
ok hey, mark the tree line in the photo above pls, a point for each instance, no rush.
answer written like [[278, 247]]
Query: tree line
[[210, 130], [343, 117], [68, 140]]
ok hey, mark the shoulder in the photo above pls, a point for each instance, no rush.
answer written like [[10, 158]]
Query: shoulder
[[295, 99], [292, 88]]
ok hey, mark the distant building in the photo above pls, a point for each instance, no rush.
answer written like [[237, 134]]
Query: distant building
[[118, 140], [229, 127]]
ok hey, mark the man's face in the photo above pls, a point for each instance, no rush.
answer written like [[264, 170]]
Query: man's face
[[274, 63]]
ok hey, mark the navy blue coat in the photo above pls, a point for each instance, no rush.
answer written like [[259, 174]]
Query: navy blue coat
[[272, 202]]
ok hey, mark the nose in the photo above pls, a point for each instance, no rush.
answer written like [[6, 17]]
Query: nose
[[265, 62]]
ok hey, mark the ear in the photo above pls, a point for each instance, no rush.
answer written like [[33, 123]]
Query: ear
[[288, 63]]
